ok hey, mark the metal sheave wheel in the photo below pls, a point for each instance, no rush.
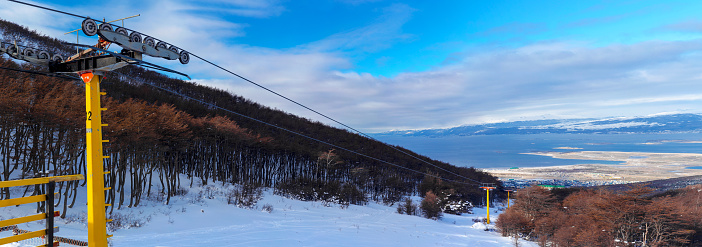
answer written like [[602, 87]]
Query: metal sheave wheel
[[28, 52], [161, 45], [122, 31], [135, 37], [89, 26], [173, 48], [150, 41], [43, 55], [12, 49], [184, 57], [57, 58], [106, 27]]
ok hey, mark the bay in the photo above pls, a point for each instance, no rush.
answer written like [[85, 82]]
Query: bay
[[504, 151]]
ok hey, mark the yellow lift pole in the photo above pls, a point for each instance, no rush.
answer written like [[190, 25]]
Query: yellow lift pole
[[508, 191], [508, 199], [488, 188], [97, 221]]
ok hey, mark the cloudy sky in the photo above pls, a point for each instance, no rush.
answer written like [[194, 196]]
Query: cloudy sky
[[381, 65]]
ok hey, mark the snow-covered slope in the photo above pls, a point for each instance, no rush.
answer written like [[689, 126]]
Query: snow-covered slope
[[196, 219]]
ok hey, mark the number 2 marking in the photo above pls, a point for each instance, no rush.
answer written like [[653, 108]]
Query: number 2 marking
[[90, 115]]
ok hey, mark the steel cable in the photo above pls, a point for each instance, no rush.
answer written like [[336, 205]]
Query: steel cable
[[286, 98]]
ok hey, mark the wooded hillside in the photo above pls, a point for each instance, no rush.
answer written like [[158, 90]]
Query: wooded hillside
[[602, 217], [156, 135]]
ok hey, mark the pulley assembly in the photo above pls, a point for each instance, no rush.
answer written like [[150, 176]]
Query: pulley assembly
[[98, 58], [133, 41]]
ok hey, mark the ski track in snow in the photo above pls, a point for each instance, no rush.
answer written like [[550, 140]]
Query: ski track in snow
[[210, 222]]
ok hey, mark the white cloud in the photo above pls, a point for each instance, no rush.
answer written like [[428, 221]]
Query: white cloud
[[246, 8], [358, 2], [385, 31], [647, 100], [45, 22], [550, 79]]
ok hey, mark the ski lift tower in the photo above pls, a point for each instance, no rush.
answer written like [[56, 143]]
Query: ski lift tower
[[91, 65], [487, 187], [508, 191]]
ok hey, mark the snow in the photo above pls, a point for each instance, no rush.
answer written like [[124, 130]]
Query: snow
[[479, 226], [191, 220], [593, 125]]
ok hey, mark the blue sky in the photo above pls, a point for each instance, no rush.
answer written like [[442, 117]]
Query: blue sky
[[416, 36], [381, 65]]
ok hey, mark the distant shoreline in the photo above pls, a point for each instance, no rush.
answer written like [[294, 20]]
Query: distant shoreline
[[505, 151], [635, 167]]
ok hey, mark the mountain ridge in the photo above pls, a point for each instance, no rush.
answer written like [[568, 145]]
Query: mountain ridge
[[659, 123]]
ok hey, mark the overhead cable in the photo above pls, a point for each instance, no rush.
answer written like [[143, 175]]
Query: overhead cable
[[284, 97], [296, 133]]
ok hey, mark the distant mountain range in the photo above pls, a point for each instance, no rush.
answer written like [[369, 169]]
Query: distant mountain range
[[673, 123]]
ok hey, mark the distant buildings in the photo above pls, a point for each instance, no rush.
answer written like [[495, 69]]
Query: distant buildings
[[557, 183]]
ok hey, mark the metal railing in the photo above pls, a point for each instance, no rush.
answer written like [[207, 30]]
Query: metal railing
[[48, 233]]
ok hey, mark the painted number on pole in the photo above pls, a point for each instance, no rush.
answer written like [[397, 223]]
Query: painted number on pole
[[90, 115]]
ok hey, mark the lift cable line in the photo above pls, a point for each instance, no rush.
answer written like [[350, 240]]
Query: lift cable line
[[91, 66], [327, 117], [42, 73], [297, 133], [130, 41], [129, 60], [183, 53], [50, 9], [250, 118], [184, 58]]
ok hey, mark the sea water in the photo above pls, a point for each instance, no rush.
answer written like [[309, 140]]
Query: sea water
[[504, 151]]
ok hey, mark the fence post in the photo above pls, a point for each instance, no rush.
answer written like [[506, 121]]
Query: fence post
[[50, 186]]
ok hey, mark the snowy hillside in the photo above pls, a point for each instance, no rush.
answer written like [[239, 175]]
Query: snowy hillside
[[662, 123], [202, 217]]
